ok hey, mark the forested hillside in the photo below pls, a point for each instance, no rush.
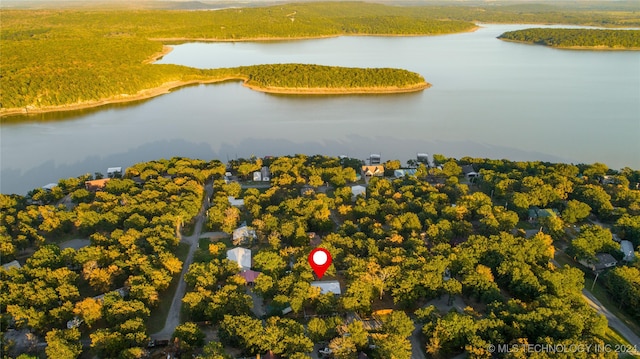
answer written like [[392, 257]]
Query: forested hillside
[[577, 38], [55, 58]]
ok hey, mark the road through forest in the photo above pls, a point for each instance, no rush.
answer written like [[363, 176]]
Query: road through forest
[[173, 317]]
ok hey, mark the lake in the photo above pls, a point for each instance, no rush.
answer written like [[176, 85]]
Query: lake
[[489, 99]]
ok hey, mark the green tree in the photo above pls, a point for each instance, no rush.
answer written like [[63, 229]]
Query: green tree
[[317, 329], [189, 335], [575, 211], [392, 347], [270, 263], [90, 310], [343, 348], [358, 334], [63, 344], [397, 323], [214, 350]]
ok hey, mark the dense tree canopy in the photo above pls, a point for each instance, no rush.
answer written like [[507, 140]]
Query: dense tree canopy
[[401, 245], [595, 38]]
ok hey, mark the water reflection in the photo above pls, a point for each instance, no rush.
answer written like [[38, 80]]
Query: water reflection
[[356, 146], [489, 99]]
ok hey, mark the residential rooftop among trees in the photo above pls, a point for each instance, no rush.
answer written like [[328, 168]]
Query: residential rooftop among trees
[[458, 257]]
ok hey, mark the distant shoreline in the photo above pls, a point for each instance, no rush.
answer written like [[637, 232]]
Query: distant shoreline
[[588, 48], [181, 40]]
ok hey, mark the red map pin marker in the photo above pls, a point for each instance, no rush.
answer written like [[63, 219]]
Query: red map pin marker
[[319, 260]]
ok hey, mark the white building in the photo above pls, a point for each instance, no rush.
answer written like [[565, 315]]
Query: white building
[[12, 264], [244, 234], [240, 255], [328, 286], [50, 186], [114, 171], [627, 249], [235, 202], [358, 190]]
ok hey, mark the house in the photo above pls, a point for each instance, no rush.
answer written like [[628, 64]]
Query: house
[[371, 171], [96, 185], [358, 190], [627, 249], [235, 202], [122, 291], [240, 255], [370, 324], [374, 159], [74, 323], [114, 172], [244, 234], [249, 276], [535, 213], [307, 190], [469, 171], [265, 173], [548, 212], [50, 186], [603, 261], [422, 158], [327, 286], [608, 180], [404, 172], [314, 239], [12, 264]]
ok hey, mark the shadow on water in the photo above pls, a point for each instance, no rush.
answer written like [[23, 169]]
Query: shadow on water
[[16, 181], [79, 114]]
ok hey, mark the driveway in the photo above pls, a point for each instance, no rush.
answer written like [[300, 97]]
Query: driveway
[[416, 346]]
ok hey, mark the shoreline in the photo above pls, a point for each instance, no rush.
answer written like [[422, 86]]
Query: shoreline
[[181, 40], [337, 90], [140, 95], [158, 55], [579, 48], [169, 86]]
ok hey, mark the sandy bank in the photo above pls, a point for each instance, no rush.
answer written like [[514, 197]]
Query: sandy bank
[[158, 55], [338, 90]]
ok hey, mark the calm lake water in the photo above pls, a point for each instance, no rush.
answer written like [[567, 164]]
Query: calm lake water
[[489, 99]]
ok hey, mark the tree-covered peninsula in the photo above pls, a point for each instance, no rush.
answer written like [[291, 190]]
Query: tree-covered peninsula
[[56, 60], [577, 38], [316, 79], [66, 59]]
